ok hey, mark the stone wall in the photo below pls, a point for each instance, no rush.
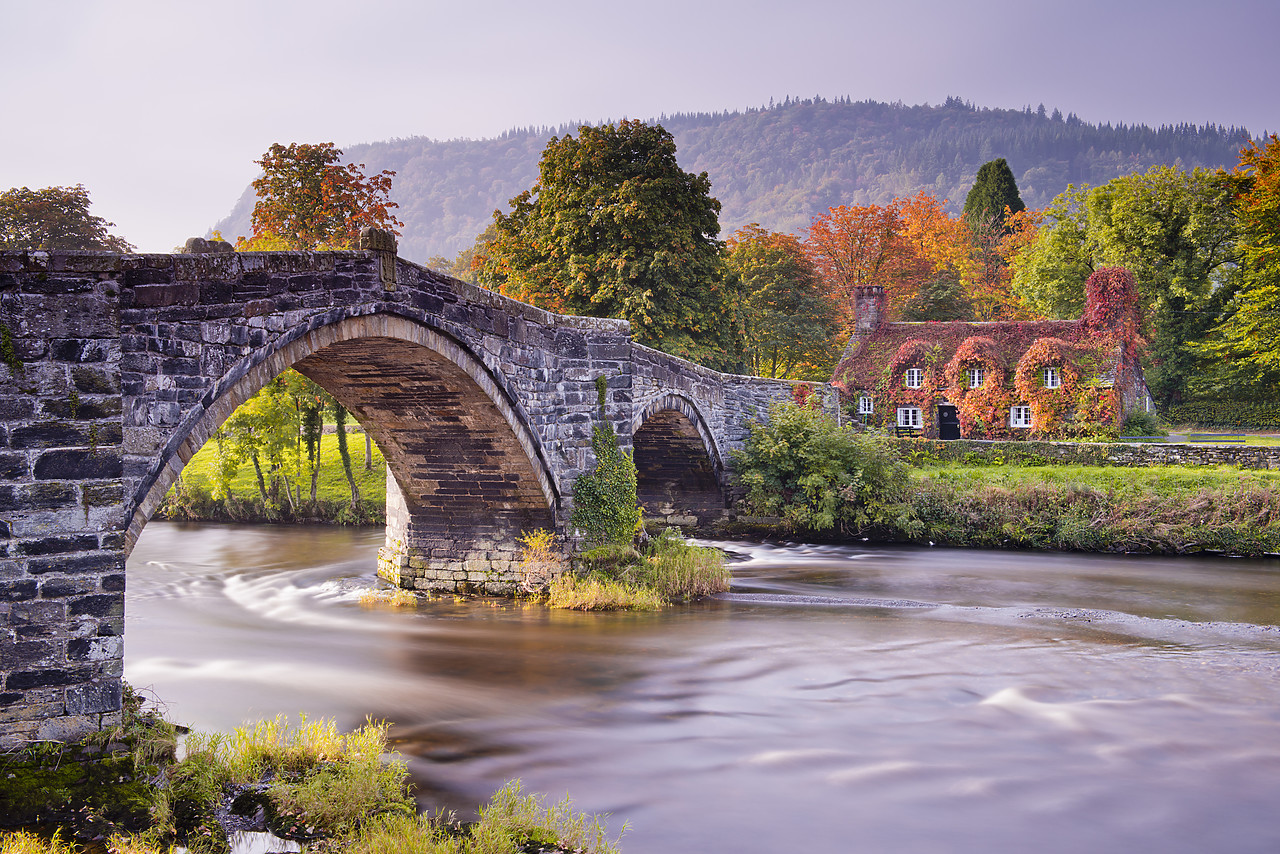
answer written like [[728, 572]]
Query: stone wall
[[1096, 453], [61, 495]]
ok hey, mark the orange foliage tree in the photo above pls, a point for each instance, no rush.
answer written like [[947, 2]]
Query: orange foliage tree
[[908, 243], [852, 246], [308, 199]]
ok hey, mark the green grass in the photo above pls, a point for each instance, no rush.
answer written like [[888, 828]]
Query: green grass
[[332, 791], [616, 577], [1149, 480], [332, 483], [512, 822], [598, 592]]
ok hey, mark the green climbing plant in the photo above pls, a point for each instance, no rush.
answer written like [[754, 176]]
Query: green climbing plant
[[605, 507]]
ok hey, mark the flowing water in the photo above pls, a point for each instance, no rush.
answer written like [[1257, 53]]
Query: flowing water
[[840, 699]]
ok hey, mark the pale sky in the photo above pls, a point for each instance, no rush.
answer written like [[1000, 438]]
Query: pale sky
[[160, 107]]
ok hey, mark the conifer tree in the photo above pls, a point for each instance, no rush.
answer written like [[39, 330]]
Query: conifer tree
[[993, 190]]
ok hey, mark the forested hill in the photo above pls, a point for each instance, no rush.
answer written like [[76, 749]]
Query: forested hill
[[781, 164]]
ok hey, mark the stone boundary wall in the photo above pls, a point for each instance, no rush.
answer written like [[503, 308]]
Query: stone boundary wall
[[1095, 453]]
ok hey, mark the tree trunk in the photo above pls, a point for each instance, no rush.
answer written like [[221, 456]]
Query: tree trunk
[[340, 416], [368, 451]]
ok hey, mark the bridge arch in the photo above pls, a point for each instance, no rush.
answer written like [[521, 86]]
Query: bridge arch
[[465, 472], [680, 468]]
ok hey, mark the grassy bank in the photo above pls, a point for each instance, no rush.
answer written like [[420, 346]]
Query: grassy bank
[[196, 495], [1158, 509], [309, 783]]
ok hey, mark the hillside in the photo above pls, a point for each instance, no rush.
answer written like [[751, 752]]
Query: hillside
[[779, 165]]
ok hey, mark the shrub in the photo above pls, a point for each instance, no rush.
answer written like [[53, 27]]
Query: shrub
[[1142, 424], [605, 507], [1249, 415], [539, 561], [817, 475]]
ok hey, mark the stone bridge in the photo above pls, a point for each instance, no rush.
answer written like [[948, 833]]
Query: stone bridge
[[117, 369]]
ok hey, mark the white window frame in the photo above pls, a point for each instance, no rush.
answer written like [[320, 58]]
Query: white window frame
[[866, 405], [1020, 416], [913, 378], [909, 416], [977, 376], [1052, 377]]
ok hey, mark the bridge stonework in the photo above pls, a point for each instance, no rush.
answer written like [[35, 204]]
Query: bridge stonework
[[115, 370]]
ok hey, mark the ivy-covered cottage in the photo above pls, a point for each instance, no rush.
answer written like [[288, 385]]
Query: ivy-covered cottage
[[1004, 379]]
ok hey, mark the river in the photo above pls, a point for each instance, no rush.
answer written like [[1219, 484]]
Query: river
[[840, 699]]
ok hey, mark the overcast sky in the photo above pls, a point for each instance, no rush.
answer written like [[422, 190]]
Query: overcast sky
[[160, 107]]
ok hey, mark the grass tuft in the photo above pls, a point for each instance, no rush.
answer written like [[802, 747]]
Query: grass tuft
[[596, 592], [395, 597]]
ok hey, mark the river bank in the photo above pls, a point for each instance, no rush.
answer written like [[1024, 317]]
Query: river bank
[[274, 783], [1158, 510], [981, 495]]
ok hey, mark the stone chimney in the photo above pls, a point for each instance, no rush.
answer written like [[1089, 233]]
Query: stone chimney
[[868, 308]]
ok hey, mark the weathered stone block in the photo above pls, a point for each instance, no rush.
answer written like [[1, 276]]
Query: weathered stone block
[[76, 464]]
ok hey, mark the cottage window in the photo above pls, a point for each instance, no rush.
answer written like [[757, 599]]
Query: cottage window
[[977, 376], [914, 378], [865, 405], [909, 416], [1020, 416], [1052, 379]]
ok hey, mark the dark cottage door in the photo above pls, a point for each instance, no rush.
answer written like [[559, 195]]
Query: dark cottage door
[[948, 421]]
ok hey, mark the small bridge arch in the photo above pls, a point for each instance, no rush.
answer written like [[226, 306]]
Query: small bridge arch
[[681, 471]]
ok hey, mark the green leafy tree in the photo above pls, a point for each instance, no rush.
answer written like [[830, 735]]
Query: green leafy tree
[[54, 218], [940, 298], [994, 192], [264, 430], [1176, 231], [307, 199], [615, 228], [789, 323], [817, 475], [1241, 354]]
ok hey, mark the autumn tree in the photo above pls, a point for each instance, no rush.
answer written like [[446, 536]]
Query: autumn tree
[[308, 199], [789, 323], [1242, 357], [615, 228], [54, 218], [854, 246], [945, 251]]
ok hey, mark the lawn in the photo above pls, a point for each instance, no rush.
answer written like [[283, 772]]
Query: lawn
[[1119, 480]]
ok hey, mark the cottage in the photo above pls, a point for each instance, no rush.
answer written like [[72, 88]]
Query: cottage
[[1003, 379]]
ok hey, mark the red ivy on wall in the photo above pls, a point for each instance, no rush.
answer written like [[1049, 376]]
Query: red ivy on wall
[[1095, 357], [983, 411]]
